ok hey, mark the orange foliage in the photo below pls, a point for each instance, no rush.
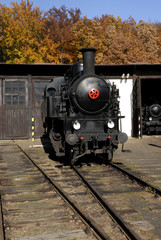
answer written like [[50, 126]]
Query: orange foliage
[[28, 35]]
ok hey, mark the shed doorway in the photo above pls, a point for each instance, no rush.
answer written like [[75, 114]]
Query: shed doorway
[[151, 106]]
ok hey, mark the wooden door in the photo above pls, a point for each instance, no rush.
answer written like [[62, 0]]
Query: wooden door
[[15, 109]]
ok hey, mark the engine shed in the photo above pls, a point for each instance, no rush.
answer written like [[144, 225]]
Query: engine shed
[[22, 88]]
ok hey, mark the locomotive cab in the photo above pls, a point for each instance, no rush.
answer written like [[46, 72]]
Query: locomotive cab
[[83, 110]]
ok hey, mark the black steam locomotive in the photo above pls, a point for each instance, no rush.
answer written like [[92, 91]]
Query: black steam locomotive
[[81, 112], [151, 119]]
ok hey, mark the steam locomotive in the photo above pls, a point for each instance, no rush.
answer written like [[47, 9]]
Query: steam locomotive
[[151, 119], [81, 112]]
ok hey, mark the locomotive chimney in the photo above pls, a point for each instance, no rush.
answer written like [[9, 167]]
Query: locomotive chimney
[[88, 60]]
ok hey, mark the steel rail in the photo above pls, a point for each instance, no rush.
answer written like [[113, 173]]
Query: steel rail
[[130, 234], [2, 231], [141, 182], [97, 230]]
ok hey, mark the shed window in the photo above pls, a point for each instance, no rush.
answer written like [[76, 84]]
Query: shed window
[[15, 93]]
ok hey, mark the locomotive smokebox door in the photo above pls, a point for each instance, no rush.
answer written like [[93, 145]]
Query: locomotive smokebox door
[[91, 94]]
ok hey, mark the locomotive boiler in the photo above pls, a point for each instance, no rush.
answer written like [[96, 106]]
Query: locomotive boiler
[[81, 112]]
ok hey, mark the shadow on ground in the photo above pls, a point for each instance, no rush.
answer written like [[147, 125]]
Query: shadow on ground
[[63, 161]]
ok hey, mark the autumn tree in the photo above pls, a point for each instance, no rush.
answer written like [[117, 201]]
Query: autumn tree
[[147, 34], [28, 35], [23, 33], [86, 33], [59, 23], [158, 29], [126, 41]]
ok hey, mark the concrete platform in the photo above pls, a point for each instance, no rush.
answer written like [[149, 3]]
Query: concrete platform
[[144, 156]]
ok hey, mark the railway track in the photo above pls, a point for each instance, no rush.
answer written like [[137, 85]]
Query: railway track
[[135, 177], [132, 229], [137, 202], [82, 193], [31, 207], [133, 213], [2, 232]]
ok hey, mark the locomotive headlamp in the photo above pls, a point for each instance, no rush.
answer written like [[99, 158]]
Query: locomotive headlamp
[[110, 124], [150, 119], [76, 125]]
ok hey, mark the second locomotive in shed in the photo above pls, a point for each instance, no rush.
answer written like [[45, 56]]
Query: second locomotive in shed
[[81, 112], [151, 119]]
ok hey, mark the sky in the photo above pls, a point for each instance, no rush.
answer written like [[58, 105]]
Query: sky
[[146, 10]]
